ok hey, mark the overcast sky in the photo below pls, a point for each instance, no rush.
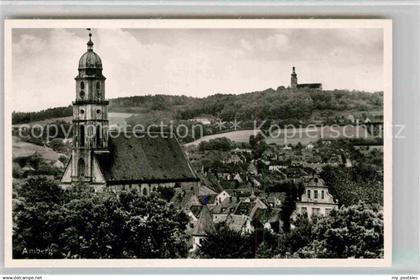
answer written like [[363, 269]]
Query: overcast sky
[[192, 62]]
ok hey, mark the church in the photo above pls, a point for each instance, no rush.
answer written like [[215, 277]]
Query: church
[[294, 82], [113, 161]]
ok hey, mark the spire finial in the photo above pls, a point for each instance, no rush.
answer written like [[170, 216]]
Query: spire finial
[[89, 43]]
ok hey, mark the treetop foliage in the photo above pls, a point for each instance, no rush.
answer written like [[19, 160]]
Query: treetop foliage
[[282, 103], [79, 223]]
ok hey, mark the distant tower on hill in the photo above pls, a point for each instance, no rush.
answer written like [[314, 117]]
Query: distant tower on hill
[[293, 79], [294, 83]]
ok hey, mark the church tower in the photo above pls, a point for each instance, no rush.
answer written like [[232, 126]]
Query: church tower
[[293, 79], [90, 117]]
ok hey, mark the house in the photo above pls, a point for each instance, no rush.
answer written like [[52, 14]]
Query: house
[[222, 210], [316, 200], [221, 197], [350, 118], [233, 159], [253, 208], [202, 120], [287, 148], [184, 199], [275, 199], [239, 223], [274, 223], [206, 195], [310, 146]]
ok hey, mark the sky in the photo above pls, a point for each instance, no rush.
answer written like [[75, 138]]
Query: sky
[[192, 62]]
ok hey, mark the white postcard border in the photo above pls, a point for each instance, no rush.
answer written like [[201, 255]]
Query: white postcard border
[[384, 24]]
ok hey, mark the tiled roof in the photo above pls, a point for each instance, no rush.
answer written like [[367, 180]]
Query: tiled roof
[[316, 182], [236, 222], [205, 224], [150, 158]]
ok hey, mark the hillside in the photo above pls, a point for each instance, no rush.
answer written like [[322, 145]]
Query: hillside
[[280, 104], [22, 149]]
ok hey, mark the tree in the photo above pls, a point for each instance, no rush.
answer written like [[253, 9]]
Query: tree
[[220, 144], [350, 232], [80, 223], [227, 243], [300, 236], [348, 187]]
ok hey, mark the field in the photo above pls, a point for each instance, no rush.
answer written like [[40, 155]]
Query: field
[[25, 149], [293, 136]]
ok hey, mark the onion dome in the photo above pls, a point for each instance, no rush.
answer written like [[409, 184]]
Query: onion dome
[[90, 59], [90, 64]]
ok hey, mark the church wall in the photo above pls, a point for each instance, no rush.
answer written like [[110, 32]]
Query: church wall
[[145, 189], [97, 176]]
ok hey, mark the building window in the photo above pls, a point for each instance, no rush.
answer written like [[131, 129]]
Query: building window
[[82, 135], [327, 211], [322, 194], [98, 111], [81, 168], [145, 193], [98, 136], [82, 85], [309, 193], [82, 111], [316, 211], [315, 194], [82, 94], [98, 89]]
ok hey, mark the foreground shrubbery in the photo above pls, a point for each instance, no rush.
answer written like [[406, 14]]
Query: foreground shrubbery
[[350, 232], [79, 223], [52, 223]]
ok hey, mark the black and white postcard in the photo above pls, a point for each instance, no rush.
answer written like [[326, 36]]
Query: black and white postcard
[[198, 143]]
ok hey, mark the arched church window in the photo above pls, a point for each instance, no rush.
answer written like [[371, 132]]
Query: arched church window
[[82, 135], [82, 94], [81, 168], [98, 136], [82, 85]]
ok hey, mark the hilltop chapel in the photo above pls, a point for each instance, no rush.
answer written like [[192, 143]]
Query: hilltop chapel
[[118, 161]]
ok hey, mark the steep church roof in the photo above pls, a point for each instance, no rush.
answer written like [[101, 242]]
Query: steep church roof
[[205, 224], [151, 158]]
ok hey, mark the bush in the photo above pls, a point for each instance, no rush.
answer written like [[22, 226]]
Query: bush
[[80, 223]]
